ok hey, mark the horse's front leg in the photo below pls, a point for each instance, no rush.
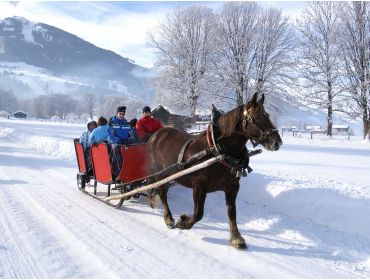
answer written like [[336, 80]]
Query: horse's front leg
[[236, 240], [187, 221], [170, 222]]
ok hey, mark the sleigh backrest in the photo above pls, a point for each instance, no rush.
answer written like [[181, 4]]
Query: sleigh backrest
[[101, 163], [79, 149], [135, 163]]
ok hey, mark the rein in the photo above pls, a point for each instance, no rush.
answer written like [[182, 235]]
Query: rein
[[237, 166]]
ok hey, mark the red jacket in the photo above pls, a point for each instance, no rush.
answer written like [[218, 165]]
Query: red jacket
[[146, 126]]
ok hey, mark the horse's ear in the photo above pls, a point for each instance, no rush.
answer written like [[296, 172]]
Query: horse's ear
[[254, 99], [262, 99], [215, 114]]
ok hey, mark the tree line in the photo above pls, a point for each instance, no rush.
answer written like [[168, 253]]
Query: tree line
[[63, 106], [322, 59]]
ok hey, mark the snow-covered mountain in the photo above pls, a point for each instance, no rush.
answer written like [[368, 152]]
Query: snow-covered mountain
[[37, 58]]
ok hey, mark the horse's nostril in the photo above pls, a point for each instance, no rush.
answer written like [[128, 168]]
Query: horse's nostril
[[277, 146]]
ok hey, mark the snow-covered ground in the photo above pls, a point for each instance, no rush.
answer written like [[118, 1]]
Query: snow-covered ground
[[304, 212]]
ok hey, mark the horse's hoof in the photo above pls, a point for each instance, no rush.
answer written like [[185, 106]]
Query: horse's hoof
[[181, 222], [171, 226], [239, 244], [170, 223]]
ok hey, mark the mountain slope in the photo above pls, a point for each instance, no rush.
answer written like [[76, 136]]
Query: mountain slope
[[65, 55]]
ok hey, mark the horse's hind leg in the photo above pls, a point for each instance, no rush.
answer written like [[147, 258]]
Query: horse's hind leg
[[236, 240], [186, 221], [162, 191]]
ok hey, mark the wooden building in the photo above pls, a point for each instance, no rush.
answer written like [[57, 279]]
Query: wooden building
[[20, 115], [340, 129], [172, 120]]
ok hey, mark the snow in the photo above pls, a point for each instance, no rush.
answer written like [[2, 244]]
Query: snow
[[340, 126], [39, 79], [304, 212], [44, 32]]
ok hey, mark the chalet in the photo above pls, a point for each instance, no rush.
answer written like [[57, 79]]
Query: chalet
[[340, 129], [162, 114], [20, 115], [289, 128], [315, 129], [173, 120]]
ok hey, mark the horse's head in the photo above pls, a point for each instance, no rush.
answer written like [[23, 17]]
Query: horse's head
[[257, 126]]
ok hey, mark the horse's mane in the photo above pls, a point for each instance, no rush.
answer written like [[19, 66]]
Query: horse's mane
[[229, 121]]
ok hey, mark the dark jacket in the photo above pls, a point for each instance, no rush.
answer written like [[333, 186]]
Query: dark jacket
[[120, 131]]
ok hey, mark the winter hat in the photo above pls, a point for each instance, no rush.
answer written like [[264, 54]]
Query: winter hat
[[121, 109], [146, 109]]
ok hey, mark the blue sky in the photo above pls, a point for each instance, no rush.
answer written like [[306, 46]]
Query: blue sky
[[117, 26]]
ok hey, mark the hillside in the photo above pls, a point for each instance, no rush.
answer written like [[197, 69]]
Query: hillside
[[56, 61]]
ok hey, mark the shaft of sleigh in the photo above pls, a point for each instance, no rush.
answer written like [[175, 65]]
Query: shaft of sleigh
[[168, 179]]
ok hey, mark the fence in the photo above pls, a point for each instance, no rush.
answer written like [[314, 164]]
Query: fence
[[315, 131]]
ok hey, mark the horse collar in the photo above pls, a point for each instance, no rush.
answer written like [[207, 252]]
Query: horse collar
[[236, 165]]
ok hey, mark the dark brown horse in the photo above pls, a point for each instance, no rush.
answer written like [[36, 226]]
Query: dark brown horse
[[235, 128]]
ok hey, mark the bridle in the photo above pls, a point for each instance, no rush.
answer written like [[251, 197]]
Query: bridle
[[213, 136], [249, 120]]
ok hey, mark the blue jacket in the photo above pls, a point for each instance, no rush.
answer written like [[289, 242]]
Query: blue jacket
[[120, 131], [99, 134], [84, 139]]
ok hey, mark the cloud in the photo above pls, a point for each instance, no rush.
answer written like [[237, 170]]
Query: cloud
[[109, 25]]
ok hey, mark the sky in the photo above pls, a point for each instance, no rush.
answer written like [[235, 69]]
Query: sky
[[119, 26]]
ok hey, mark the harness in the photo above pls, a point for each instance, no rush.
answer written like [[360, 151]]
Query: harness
[[237, 166]]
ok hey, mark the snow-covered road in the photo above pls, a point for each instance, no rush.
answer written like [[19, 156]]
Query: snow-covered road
[[304, 212]]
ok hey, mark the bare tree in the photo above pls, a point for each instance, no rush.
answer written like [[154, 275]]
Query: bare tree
[[233, 54], [38, 107], [183, 45], [356, 44], [87, 104], [46, 106], [108, 105], [274, 52], [320, 55], [8, 101], [60, 105], [253, 51]]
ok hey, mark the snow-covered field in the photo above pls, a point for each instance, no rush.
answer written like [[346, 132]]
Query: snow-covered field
[[304, 212]]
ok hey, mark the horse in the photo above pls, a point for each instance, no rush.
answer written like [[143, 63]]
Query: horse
[[228, 135]]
